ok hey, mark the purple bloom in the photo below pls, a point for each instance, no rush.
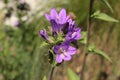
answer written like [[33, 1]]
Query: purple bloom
[[43, 34], [71, 25], [55, 27], [64, 52], [73, 35], [16, 23], [60, 18], [57, 20]]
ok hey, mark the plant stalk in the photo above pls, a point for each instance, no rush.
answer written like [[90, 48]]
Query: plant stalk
[[88, 37], [51, 73]]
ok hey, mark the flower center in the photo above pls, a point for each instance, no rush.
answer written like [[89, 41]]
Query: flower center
[[62, 51]]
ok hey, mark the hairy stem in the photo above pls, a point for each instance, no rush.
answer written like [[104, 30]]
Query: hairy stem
[[88, 37], [51, 73]]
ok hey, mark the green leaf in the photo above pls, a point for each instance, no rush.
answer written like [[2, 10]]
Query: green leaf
[[104, 55], [103, 16], [92, 49], [44, 78], [108, 5], [43, 44], [72, 75], [84, 37]]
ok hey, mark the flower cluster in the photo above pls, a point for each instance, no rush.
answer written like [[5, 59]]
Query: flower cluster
[[64, 32]]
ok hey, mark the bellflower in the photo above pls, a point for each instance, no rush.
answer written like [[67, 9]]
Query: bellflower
[[71, 25], [64, 52], [57, 20], [73, 35], [43, 34], [64, 28]]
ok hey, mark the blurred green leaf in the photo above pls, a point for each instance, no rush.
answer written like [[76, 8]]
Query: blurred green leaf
[[72, 75], [103, 54], [44, 78], [43, 44], [84, 37], [2, 33], [6, 1], [103, 16], [92, 49], [108, 5]]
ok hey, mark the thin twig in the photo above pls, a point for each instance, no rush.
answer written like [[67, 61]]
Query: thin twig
[[88, 37]]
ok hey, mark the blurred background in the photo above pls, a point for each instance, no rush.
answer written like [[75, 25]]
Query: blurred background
[[20, 55]]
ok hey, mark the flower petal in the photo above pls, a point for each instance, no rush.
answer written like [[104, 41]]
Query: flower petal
[[68, 36], [62, 16], [43, 34], [53, 13], [58, 58], [77, 29], [56, 48], [67, 18], [67, 57], [65, 44], [78, 36], [55, 27], [62, 56], [71, 50], [47, 17], [62, 13], [73, 23], [73, 35]]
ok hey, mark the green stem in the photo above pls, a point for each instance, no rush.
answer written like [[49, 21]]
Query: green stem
[[51, 72], [88, 37]]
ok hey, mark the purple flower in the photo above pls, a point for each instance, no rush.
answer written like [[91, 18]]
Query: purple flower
[[73, 35], [64, 52], [55, 27], [71, 25], [60, 18], [57, 20], [16, 23], [43, 34]]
